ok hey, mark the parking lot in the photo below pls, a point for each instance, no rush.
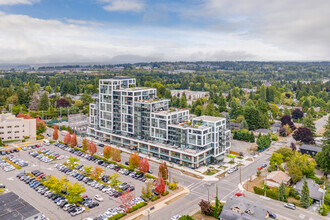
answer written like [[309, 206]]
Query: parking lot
[[46, 205]]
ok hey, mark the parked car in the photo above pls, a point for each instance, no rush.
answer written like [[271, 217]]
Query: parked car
[[290, 206], [238, 194]]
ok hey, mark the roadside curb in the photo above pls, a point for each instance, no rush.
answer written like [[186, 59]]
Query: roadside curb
[[159, 205]]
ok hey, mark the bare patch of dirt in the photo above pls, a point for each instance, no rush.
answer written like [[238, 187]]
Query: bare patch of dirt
[[191, 174], [221, 175], [258, 182], [199, 216]]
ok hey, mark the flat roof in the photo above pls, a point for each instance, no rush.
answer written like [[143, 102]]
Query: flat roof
[[13, 207], [137, 89], [170, 111], [208, 118]]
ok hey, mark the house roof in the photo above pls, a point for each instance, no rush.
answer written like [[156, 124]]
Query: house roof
[[262, 130], [13, 207], [248, 211], [278, 177], [310, 148], [315, 192]]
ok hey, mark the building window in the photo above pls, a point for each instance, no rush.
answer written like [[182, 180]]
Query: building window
[[8, 126]]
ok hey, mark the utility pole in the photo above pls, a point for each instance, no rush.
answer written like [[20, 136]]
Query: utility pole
[[240, 174]]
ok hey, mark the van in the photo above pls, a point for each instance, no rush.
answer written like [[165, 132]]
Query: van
[[46, 142]]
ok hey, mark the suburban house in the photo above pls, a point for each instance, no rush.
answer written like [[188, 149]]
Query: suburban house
[[262, 131], [315, 191], [237, 208], [275, 128], [235, 126], [275, 178], [309, 149]]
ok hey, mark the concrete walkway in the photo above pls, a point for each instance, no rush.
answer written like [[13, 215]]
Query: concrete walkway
[[159, 205]]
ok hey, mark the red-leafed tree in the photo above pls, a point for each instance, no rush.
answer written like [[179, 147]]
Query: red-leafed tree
[[134, 160], [55, 133], [67, 138], [107, 152], [304, 135], [116, 155], [126, 200], [74, 141], [62, 103], [163, 170], [160, 185], [92, 148], [144, 165]]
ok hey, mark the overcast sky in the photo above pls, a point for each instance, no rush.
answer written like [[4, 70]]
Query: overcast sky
[[108, 31]]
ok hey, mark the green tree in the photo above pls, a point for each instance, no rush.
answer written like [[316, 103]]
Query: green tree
[[276, 158], [74, 192], [244, 125], [322, 157], [44, 102], [41, 128], [262, 106], [84, 144], [263, 94], [114, 179], [72, 162], [304, 198], [252, 117], [309, 123], [234, 105], [263, 141], [183, 101], [1, 142], [282, 193], [86, 99], [221, 102], [88, 169], [274, 109]]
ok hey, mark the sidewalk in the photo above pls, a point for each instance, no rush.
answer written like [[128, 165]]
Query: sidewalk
[[159, 205], [169, 164]]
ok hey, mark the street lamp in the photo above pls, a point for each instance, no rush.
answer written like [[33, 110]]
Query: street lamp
[[207, 186]]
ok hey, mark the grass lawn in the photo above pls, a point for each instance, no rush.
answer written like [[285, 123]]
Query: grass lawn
[[211, 172], [258, 182]]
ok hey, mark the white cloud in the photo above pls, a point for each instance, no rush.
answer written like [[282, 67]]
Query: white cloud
[[24, 39], [292, 25], [123, 5], [17, 2]]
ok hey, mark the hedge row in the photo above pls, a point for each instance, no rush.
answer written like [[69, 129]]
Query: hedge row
[[117, 216], [269, 193], [155, 198], [165, 193], [137, 206], [14, 164]]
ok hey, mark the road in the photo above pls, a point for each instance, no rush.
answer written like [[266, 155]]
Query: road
[[227, 187]]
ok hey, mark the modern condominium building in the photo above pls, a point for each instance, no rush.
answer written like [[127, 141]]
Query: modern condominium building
[[133, 117]]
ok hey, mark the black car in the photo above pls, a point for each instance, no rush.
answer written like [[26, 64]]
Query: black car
[[127, 163], [101, 145]]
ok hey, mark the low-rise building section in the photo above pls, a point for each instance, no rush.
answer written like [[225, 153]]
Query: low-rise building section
[[13, 207], [12, 128], [275, 178], [133, 117], [190, 95]]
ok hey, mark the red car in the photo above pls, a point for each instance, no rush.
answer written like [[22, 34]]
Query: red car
[[238, 194], [260, 168]]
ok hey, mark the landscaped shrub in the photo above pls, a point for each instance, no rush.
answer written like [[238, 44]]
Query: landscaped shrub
[[165, 193], [136, 207], [155, 198], [150, 176], [258, 190], [173, 186], [271, 194], [117, 216], [187, 217]]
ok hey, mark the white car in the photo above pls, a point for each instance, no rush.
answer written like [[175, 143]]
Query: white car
[[176, 217], [98, 198]]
